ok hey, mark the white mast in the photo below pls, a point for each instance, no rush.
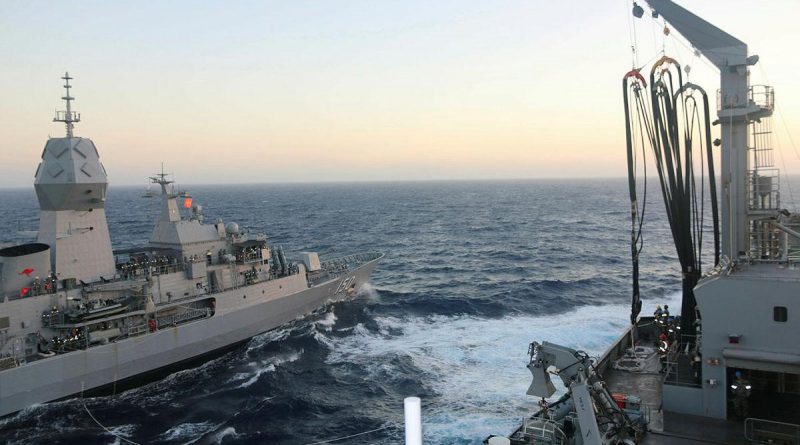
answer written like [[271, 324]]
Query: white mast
[[68, 117], [169, 203]]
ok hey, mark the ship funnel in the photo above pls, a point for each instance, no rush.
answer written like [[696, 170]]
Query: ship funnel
[[20, 266]]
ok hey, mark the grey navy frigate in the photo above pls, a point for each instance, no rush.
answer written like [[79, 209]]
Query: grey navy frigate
[[76, 315], [727, 370]]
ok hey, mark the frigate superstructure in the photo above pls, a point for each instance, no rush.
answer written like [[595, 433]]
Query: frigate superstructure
[[727, 369], [75, 315]]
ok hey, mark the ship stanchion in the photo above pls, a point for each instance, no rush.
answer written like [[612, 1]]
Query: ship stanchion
[[413, 414]]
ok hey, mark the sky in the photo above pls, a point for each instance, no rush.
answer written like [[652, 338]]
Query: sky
[[333, 90]]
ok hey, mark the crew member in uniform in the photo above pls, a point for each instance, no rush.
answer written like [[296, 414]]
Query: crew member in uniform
[[658, 312], [741, 393]]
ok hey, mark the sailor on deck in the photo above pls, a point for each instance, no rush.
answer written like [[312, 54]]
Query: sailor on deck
[[741, 393], [658, 312]]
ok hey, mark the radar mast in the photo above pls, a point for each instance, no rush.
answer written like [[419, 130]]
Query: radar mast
[[68, 117]]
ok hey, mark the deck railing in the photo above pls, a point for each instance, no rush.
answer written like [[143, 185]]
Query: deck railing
[[769, 432], [345, 262], [681, 367]]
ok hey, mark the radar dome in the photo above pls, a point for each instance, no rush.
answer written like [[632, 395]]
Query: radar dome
[[232, 228]]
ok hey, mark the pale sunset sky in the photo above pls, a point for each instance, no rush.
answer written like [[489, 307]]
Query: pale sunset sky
[[334, 90]]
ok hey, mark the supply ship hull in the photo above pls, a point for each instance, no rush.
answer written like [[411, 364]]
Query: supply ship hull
[[726, 369], [239, 314]]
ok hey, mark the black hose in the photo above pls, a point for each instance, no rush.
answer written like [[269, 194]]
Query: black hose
[[674, 151]]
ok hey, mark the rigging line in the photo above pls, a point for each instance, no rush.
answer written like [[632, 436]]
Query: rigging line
[[631, 34], [353, 435], [655, 38], [83, 402], [788, 133], [694, 52], [785, 173]]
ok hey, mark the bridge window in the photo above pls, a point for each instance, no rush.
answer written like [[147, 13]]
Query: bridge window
[[780, 313]]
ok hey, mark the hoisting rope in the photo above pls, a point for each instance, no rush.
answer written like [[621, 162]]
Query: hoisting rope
[[676, 127]]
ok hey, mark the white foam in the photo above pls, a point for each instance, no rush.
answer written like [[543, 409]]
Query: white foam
[[327, 321], [227, 432], [187, 430], [368, 291], [260, 340], [125, 431], [476, 366], [264, 367]]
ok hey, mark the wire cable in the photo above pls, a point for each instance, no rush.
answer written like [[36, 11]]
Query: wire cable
[[83, 402], [353, 435]]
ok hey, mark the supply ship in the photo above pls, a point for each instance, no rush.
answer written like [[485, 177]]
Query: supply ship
[[77, 316], [726, 369]]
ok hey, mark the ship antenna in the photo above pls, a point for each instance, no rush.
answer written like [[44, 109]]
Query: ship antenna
[[68, 117]]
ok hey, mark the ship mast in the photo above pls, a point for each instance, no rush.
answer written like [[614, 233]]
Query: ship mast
[[169, 203], [68, 117]]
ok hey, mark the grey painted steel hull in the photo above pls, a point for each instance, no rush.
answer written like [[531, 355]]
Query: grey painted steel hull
[[68, 374]]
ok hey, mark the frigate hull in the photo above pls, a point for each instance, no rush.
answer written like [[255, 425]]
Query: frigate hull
[[239, 315]]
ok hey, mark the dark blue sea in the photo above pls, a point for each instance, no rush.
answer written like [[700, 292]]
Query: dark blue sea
[[474, 271]]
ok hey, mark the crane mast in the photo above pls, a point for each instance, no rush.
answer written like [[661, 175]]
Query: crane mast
[[747, 195]]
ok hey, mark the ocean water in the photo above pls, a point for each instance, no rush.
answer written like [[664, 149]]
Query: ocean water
[[474, 271]]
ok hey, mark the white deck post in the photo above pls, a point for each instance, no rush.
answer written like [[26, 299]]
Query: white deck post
[[413, 415]]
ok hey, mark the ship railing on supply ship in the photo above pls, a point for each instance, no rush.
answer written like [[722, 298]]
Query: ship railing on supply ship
[[759, 96], [681, 364], [764, 187], [761, 431], [538, 430]]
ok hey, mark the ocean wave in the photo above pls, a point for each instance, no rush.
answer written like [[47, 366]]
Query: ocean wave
[[257, 369], [186, 430], [455, 355]]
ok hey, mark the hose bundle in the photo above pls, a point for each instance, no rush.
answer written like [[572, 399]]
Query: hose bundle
[[674, 124]]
